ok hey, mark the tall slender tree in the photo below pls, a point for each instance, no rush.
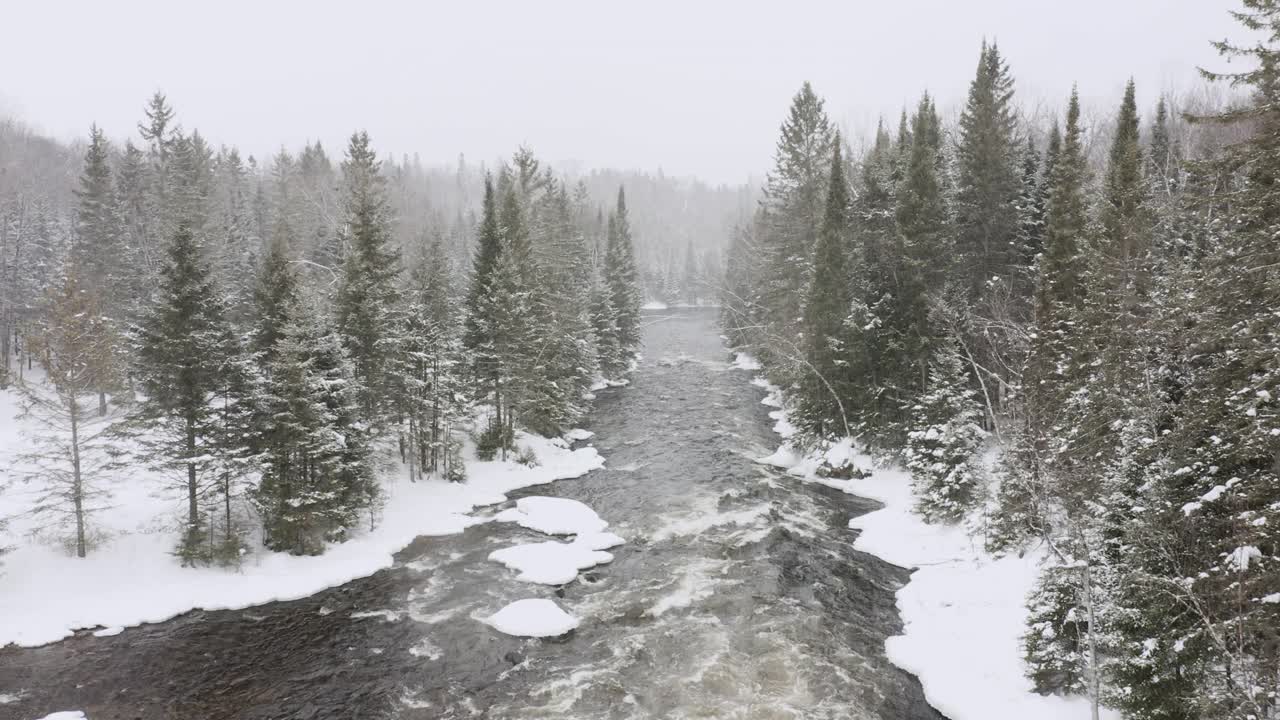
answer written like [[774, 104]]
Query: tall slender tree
[[369, 290]]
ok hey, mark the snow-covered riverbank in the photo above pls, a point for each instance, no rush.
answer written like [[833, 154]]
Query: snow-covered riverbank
[[963, 612], [132, 577]]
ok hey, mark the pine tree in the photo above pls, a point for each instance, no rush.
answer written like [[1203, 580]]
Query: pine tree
[[1053, 646], [186, 351], [876, 260], [274, 294], [620, 278], [518, 348], [1031, 216], [921, 249], [944, 441], [1123, 189], [483, 306], [1060, 288], [1066, 220], [316, 459], [563, 320], [604, 326], [827, 385], [792, 209], [988, 187], [369, 292], [237, 249], [98, 240], [1209, 537], [141, 254], [425, 366]]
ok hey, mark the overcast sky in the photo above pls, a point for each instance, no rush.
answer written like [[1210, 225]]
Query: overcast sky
[[690, 87]]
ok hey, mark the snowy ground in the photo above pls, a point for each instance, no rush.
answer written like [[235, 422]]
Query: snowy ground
[[135, 578], [963, 611]]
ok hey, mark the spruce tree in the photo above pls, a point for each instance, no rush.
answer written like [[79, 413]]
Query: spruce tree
[[922, 248], [986, 205], [369, 289], [621, 279], [945, 440], [563, 322], [792, 208], [274, 294], [876, 261], [1060, 289], [518, 346], [186, 351], [483, 305], [827, 384], [1123, 190], [98, 243], [315, 462], [1031, 212], [1209, 534]]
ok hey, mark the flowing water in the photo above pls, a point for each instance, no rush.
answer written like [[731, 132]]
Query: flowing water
[[737, 595]]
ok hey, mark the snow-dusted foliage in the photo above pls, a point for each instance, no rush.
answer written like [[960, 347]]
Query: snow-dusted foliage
[[945, 440]]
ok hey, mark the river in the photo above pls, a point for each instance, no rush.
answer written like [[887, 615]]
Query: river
[[738, 594]]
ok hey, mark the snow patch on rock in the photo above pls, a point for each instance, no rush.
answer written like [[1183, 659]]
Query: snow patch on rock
[[553, 516], [550, 563], [532, 617]]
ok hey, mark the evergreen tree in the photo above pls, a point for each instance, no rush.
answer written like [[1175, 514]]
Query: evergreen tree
[[944, 442], [876, 261], [690, 279], [1123, 189], [1060, 289], [369, 291], [1053, 646], [431, 392], [563, 321], [1031, 216], [316, 469], [518, 349], [830, 375], [98, 240], [236, 254], [482, 333], [274, 294], [620, 278], [987, 192], [922, 246], [792, 208], [186, 350]]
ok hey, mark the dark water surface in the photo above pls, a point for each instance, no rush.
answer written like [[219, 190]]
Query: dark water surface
[[737, 595]]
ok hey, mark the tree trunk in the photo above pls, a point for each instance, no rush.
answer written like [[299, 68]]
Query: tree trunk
[[413, 454], [1095, 682], [193, 505], [102, 404], [77, 482], [226, 500]]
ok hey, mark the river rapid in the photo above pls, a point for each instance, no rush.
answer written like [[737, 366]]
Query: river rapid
[[738, 594]]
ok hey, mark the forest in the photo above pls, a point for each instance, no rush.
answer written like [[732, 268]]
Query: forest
[[1063, 325], [1067, 332], [264, 338]]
